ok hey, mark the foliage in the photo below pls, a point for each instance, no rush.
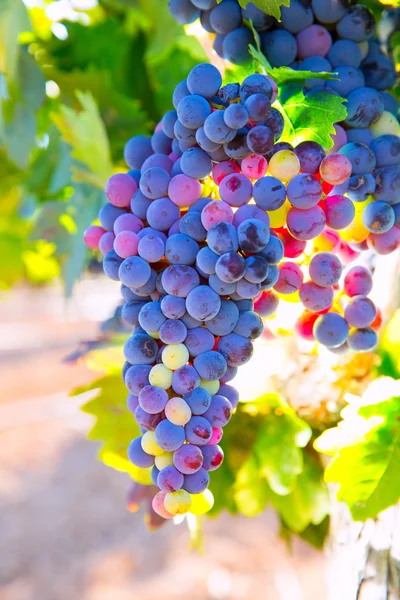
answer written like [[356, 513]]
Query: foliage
[[67, 107], [365, 447]]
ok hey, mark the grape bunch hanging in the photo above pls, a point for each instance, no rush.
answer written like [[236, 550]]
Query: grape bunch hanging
[[214, 225]]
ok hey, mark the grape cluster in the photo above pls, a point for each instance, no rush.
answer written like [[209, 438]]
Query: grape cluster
[[213, 225], [314, 35]]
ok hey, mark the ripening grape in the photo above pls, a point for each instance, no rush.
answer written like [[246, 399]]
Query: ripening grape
[[284, 165]]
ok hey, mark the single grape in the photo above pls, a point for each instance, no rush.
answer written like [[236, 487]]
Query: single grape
[[150, 445], [168, 436], [279, 46], [315, 297], [210, 365], [290, 278], [348, 80], [216, 129], [284, 165], [335, 169], [204, 79], [184, 12], [260, 139], [269, 193], [249, 211], [220, 411], [256, 269], [140, 349], [325, 269], [225, 320], [226, 17], [222, 237], [179, 280], [235, 45], [304, 191], [235, 190], [378, 217], [136, 150], [363, 340], [235, 349], [175, 356], [249, 325], [314, 40], [361, 187], [137, 377], [388, 184], [130, 312], [273, 251], [193, 111], [93, 235], [296, 17], [230, 267], [306, 224], [387, 150], [358, 24], [197, 483], [138, 456], [360, 312], [212, 456], [364, 107], [385, 243], [188, 459], [198, 400], [339, 211], [236, 116], [345, 52], [331, 330], [198, 431], [362, 158], [253, 235]]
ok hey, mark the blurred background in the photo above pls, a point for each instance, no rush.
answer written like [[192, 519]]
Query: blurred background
[[82, 77]]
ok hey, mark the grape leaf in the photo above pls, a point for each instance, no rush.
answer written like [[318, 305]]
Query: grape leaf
[[283, 75], [85, 132], [271, 7], [308, 503], [14, 19], [278, 445], [366, 453], [115, 426], [309, 118]]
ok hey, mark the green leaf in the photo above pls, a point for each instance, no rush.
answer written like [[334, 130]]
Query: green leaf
[[63, 223], [114, 425], [309, 118], [85, 132], [14, 19], [251, 491], [282, 75], [366, 453], [278, 445], [308, 503], [271, 7]]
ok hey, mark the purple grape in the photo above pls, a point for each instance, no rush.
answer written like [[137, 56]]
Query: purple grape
[[304, 191], [199, 340], [172, 331], [358, 24], [203, 303], [331, 330], [180, 249], [260, 139], [199, 401], [179, 280], [231, 393], [152, 399], [236, 190], [378, 217], [170, 479], [235, 349], [363, 340], [140, 349], [147, 421], [138, 456], [206, 260], [210, 365], [185, 380], [216, 129], [188, 459], [162, 213], [196, 483], [339, 211], [225, 320], [136, 378], [315, 297], [269, 193], [212, 457], [230, 267], [220, 411], [306, 224], [360, 312], [222, 237], [325, 269], [205, 79], [136, 150], [310, 155], [193, 111], [198, 431], [253, 235], [168, 436], [249, 325]]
